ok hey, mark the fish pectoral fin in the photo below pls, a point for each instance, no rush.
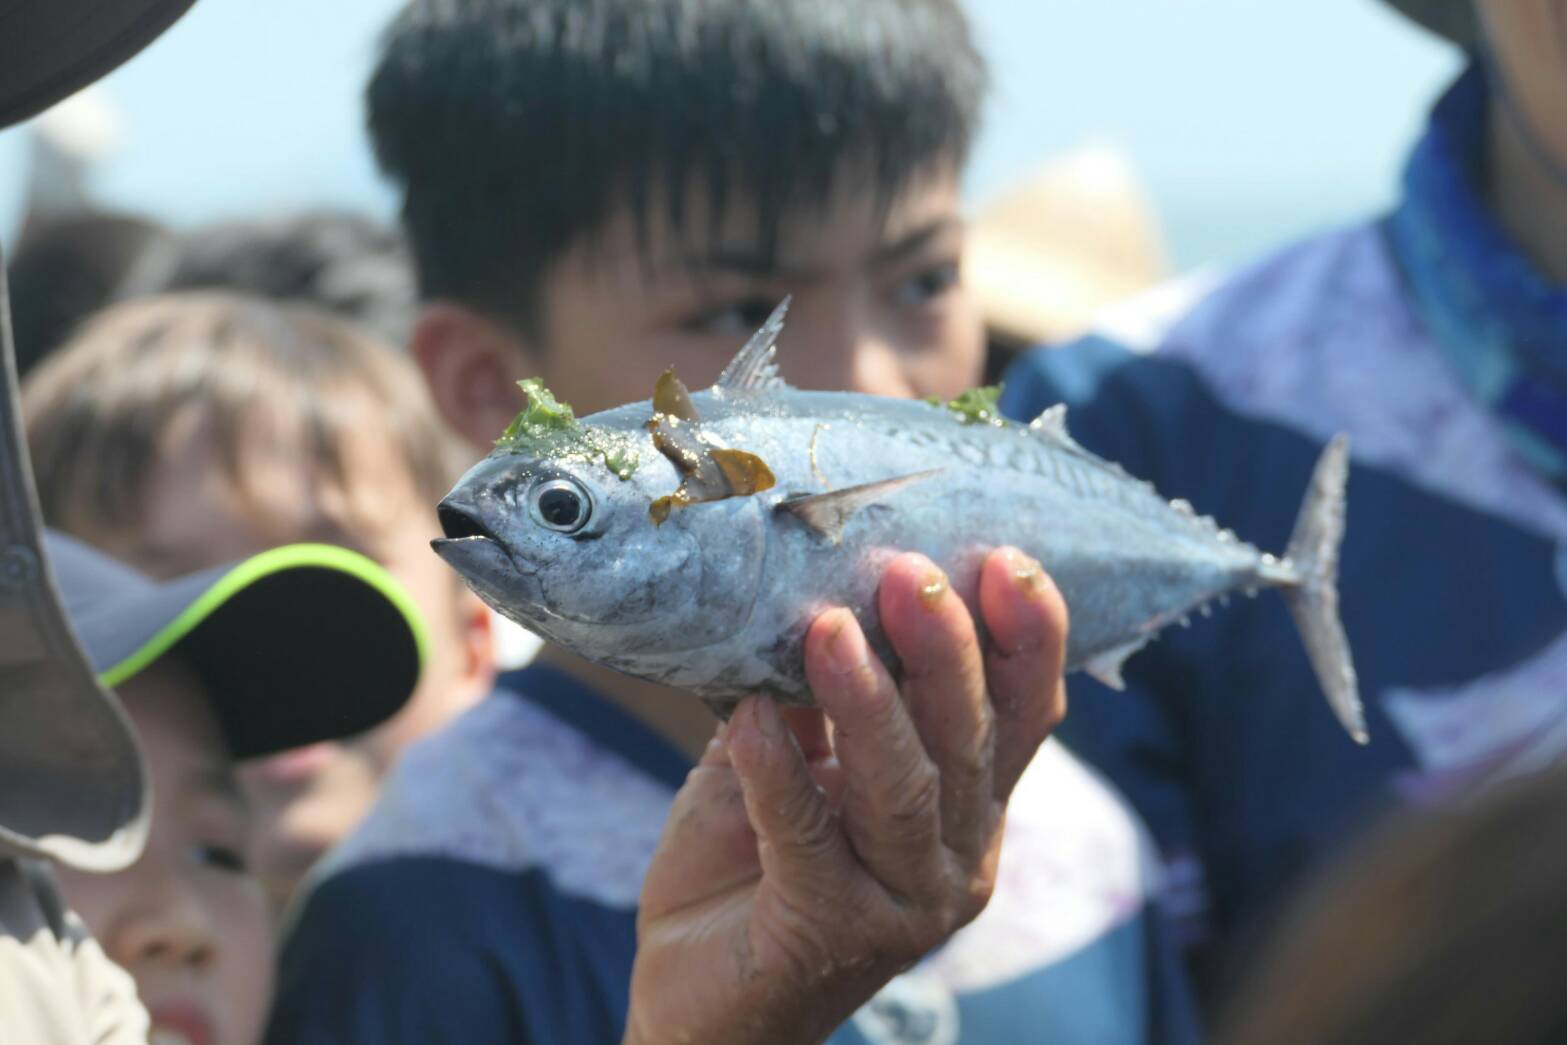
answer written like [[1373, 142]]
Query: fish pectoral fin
[[755, 369], [1106, 667], [827, 513]]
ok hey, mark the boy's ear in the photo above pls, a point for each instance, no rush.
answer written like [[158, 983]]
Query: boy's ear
[[471, 365], [478, 644]]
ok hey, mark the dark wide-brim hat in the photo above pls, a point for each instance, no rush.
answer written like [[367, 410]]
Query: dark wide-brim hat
[[1454, 19], [86, 802], [50, 49]]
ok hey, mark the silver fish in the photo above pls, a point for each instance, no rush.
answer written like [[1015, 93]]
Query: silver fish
[[691, 540]]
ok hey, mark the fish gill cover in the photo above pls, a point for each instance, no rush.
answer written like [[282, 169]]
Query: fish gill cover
[[548, 427]]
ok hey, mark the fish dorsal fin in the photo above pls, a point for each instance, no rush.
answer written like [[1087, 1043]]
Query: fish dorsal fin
[[755, 369], [1106, 667], [826, 513]]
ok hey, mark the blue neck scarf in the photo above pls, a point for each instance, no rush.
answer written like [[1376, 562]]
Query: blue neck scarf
[[1499, 320]]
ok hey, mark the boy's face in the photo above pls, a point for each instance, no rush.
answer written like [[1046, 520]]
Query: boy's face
[[308, 800], [1528, 39], [878, 308], [188, 920]]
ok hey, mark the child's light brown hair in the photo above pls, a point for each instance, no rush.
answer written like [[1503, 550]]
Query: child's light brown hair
[[99, 410]]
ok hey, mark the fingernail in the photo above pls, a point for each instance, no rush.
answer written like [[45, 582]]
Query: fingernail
[[1028, 576], [768, 722], [846, 646], [934, 589]]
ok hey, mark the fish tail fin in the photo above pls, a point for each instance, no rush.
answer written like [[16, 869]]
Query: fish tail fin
[[1313, 596]]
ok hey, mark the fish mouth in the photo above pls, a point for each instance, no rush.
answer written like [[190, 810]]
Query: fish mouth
[[460, 524], [470, 547], [485, 562]]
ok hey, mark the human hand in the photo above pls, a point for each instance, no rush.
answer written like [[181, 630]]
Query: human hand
[[798, 874]]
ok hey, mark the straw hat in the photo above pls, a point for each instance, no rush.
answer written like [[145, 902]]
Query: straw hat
[[1045, 256]]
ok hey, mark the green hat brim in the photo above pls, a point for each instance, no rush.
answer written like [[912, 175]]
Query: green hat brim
[[298, 644]]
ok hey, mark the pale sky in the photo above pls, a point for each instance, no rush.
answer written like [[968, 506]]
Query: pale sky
[[1250, 121]]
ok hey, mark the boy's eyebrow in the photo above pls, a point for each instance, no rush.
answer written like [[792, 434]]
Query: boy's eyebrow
[[751, 262], [756, 263], [912, 242]]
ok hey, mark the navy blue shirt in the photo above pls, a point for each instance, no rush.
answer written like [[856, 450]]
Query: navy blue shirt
[[491, 897], [1451, 579]]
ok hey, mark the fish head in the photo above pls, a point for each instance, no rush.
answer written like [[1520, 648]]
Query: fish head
[[564, 544]]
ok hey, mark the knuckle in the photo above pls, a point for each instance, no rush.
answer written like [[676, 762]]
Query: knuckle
[[941, 920], [1034, 710], [937, 654], [979, 888], [879, 704], [981, 742], [1053, 713], [965, 895], [812, 825], [918, 794]]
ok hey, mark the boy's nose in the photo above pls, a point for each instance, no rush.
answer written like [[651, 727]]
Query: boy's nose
[[876, 368], [170, 929]]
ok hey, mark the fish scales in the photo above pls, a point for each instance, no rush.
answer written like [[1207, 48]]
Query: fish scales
[[752, 506], [1124, 560]]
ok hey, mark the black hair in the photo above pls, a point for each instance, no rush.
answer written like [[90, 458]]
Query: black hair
[[516, 126], [338, 261], [68, 268]]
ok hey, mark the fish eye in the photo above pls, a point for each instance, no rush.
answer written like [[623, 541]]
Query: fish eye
[[561, 505]]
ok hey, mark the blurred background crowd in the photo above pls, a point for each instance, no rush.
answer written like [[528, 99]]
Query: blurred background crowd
[[1305, 115], [228, 335]]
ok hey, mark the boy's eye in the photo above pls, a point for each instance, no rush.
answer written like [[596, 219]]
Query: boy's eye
[[223, 858], [734, 320], [926, 285]]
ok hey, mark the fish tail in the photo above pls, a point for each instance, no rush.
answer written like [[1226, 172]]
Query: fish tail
[[1312, 596]]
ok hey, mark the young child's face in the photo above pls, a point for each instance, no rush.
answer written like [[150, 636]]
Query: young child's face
[[308, 800], [188, 921], [877, 307]]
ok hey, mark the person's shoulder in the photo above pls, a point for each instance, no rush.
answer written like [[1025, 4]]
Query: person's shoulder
[[1344, 276], [1310, 341], [510, 787], [425, 949], [1213, 322], [411, 908]]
